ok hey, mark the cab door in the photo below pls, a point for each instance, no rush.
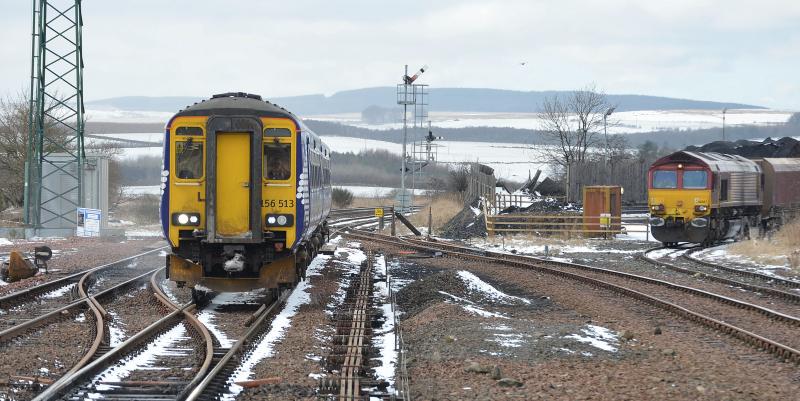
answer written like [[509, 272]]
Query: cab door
[[233, 184]]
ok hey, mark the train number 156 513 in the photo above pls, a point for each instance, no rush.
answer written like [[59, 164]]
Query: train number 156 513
[[278, 202]]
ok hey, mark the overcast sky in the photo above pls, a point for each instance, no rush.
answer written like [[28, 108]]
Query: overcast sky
[[735, 50]]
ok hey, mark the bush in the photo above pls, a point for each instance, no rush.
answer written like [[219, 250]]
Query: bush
[[342, 197]]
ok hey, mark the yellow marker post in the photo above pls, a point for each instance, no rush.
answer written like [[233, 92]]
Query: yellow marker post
[[378, 212]]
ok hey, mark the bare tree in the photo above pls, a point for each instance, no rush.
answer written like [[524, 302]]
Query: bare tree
[[14, 113], [571, 126]]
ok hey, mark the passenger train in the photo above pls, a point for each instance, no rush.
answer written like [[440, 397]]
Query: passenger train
[[246, 191], [706, 197]]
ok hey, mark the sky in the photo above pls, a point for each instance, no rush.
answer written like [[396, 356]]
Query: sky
[[735, 50]]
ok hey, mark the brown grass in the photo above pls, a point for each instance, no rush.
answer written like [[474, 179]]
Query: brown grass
[[371, 202], [784, 246]]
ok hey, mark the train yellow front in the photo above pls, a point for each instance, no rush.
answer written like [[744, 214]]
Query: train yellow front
[[245, 194]]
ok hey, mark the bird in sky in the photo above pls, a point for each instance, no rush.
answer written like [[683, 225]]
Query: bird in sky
[[523, 63]]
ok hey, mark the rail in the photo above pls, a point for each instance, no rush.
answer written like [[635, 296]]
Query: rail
[[781, 350]]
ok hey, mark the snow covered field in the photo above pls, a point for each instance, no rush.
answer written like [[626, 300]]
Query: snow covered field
[[625, 122]]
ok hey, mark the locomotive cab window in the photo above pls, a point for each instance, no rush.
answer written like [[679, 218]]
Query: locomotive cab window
[[277, 161], [665, 179], [189, 159], [695, 179]]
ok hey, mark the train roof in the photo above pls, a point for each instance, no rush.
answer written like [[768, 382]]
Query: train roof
[[717, 162], [237, 103], [783, 163]]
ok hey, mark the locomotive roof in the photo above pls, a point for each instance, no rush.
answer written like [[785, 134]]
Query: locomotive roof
[[718, 162], [236, 103]]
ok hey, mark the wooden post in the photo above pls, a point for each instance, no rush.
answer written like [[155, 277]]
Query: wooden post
[[394, 230], [430, 222]]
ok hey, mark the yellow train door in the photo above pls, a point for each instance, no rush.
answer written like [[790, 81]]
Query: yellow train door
[[233, 184]]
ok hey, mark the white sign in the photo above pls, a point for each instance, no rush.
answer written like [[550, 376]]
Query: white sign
[[88, 222]]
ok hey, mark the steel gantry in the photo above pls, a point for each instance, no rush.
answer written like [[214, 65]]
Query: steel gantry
[[55, 155]]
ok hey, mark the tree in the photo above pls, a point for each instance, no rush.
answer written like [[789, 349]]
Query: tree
[[14, 113], [571, 125], [342, 197]]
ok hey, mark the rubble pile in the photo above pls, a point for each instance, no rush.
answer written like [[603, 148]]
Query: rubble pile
[[468, 223], [784, 147]]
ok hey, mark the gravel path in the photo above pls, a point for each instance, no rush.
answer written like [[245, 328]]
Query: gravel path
[[557, 346]]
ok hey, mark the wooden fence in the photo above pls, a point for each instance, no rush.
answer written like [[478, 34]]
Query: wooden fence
[[568, 224]]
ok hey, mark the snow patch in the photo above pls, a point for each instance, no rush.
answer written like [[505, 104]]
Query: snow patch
[[5, 241], [164, 345], [474, 283], [598, 337], [59, 292]]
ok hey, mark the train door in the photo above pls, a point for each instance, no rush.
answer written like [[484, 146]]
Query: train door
[[233, 183]]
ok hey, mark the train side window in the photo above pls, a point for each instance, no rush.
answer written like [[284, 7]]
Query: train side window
[[189, 159], [723, 190], [665, 179], [695, 179], [277, 161]]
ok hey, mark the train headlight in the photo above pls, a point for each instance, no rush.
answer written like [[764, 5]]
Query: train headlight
[[279, 220], [700, 208], [185, 219], [657, 208]]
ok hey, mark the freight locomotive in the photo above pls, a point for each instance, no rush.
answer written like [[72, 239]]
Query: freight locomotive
[[704, 197], [246, 191]]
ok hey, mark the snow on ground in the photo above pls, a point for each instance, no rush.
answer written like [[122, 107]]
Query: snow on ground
[[384, 338], [620, 122], [665, 252], [545, 246], [722, 255], [209, 314], [475, 284], [164, 345], [598, 337], [266, 345], [5, 241], [142, 190], [116, 334], [59, 292], [374, 192], [470, 307]]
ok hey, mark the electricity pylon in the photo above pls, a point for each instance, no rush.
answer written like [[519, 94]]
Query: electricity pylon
[[53, 169]]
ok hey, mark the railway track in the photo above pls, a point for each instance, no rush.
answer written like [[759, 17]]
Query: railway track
[[761, 327], [787, 290], [46, 297], [351, 342], [149, 365]]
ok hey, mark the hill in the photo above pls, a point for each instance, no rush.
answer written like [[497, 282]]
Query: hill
[[441, 99]]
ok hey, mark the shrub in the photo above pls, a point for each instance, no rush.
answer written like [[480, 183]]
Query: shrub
[[342, 197]]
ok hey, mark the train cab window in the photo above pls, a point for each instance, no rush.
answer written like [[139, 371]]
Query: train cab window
[[189, 131], [665, 179], [281, 132], [695, 179], [189, 159], [277, 161]]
